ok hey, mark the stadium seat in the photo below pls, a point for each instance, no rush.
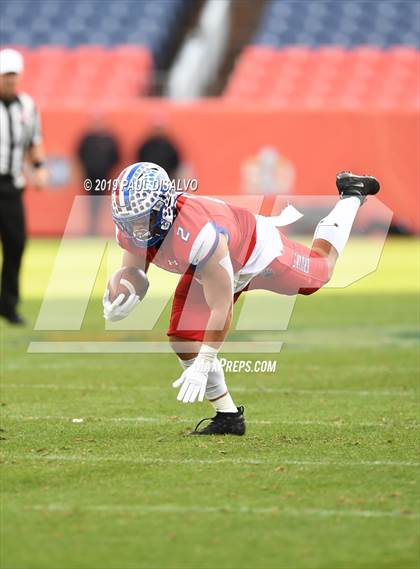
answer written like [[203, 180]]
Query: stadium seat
[[324, 77], [86, 50], [345, 54], [339, 22], [149, 23], [87, 74]]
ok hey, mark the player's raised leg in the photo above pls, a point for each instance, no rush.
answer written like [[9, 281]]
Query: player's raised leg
[[332, 232], [300, 270]]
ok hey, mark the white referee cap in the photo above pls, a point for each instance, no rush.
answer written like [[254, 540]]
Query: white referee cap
[[11, 61]]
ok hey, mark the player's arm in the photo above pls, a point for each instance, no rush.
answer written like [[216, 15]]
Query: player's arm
[[120, 308], [130, 260], [217, 281]]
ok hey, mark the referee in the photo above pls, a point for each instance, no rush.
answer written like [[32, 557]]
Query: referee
[[20, 137]]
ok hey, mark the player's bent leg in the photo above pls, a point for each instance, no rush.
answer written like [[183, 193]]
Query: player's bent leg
[[189, 316], [229, 419], [186, 331]]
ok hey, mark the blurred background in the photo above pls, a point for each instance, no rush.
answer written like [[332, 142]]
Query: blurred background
[[269, 97]]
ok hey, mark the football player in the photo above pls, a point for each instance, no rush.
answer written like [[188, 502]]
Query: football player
[[220, 251]]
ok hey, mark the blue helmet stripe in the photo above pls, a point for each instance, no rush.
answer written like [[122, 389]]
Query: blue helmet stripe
[[127, 184]]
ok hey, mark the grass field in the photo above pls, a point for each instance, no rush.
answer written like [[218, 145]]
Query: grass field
[[326, 477]]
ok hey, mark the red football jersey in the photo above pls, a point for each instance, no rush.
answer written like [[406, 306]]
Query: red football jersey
[[195, 234]]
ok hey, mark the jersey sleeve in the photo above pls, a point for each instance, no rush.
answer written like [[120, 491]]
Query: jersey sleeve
[[194, 236], [204, 245]]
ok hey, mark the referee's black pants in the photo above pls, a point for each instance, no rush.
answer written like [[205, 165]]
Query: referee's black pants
[[13, 237]]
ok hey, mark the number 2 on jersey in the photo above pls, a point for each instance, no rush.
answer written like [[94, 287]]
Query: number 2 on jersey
[[185, 235]]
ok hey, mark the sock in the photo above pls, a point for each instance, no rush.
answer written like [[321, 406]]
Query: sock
[[225, 404], [186, 363], [336, 226], [218, 393]]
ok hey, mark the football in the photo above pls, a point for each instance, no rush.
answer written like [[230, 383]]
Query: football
[[126, 281]]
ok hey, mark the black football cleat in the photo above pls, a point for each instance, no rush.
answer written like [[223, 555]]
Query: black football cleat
[[224, 424], [349, 184]]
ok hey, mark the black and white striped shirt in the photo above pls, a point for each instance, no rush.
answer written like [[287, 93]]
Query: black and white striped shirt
[[20, 128]]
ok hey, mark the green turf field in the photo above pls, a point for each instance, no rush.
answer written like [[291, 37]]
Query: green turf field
[[327, 476]]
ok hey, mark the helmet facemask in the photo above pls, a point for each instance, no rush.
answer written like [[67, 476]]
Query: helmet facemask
[[146, 230]]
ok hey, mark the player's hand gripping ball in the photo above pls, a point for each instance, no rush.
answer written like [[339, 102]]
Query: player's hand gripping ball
[[126, 288]]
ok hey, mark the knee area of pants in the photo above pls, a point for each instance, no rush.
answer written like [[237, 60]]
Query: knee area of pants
[[178, 347], [308, 291]]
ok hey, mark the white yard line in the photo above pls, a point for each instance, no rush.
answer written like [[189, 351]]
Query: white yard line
[[175, 509], [167, 419], [362, 393], [155, 460], [244, 389], [64, 386]]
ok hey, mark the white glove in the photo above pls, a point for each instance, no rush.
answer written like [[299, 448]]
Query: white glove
[[193, 384], [193, 381], [117, 310]]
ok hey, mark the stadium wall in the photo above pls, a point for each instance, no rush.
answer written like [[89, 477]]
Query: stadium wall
[[222, 141]]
